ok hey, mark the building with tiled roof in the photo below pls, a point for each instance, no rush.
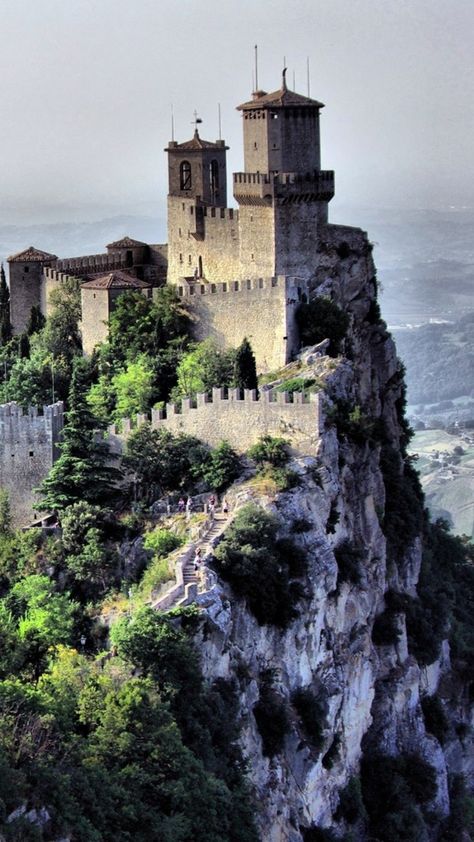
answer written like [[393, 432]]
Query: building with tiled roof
[[30, 255], [98, 299]]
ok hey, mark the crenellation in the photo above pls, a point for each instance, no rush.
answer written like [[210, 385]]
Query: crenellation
[[28, 447], [239, 417]]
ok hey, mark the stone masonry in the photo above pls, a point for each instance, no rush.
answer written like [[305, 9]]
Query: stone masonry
[[238, 419], [28, 448]]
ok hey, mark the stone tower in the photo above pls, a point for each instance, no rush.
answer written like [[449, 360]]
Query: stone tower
[[25, 273], [283, 194], [197, 180]]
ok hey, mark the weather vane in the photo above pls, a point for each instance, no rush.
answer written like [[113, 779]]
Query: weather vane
[[196, 121]]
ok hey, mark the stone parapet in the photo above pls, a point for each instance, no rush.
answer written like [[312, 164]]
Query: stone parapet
[[237, 417], [28, 447], [255, 188]]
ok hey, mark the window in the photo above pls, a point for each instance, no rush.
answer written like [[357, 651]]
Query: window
[[26, 269], [180, 258], [214, 179], [185, 175]]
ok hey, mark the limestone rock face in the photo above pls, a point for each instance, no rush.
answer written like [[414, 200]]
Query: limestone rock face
[[371, 693]]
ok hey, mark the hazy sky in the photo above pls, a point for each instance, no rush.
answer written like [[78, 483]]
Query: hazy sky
[[87, 87]]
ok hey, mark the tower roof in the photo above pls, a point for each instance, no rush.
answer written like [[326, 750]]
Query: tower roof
[[31, 254], [279, 99], [126, 243], [116, 280], [196, 144]]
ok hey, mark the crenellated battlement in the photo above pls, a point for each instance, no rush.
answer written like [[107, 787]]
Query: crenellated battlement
[[237, 417], [92, 263], [279, 283], [28, 447], [250, 188]]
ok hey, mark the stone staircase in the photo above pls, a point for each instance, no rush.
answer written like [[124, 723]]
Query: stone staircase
[[190, 582]]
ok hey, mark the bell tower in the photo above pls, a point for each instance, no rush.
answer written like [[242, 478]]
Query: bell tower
[[197, 176]]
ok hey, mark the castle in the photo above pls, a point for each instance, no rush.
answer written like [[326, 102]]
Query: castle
[[241, 271]]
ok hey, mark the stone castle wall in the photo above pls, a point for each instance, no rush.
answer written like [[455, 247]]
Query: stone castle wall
[[263, 310], [202, 238], [28, 447], [51, 279], [238, 420]]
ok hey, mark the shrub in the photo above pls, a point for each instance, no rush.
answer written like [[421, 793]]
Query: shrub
[[269, 450], [312, 713], [403, 516], [385, 631], [301, 524], [272, 720], [436, 721], [284, 478], [161, 542], [222, 467], [349, 563], [333, 519], [351, 806], [296, 384], [322, 319], [259, 567]]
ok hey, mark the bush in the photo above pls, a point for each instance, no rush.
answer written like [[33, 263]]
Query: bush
[[222, 467], [395, 792], [403, 516], [385, 631], [351, 806], [259, 567], [312, 713], [333, 519], [349, 563], [296, 384], [332, 754], [162, 542], [436, 721], [272, 720], [269, 450], [322, 319]]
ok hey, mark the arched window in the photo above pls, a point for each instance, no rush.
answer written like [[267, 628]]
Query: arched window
[[185, 175], [214, 178]]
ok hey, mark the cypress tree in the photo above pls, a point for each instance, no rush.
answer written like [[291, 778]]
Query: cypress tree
[[245, 367], [81, 472], [5, 326]]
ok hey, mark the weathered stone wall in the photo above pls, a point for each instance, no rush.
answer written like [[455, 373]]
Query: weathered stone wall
[[240, 421], [262, 310], [51, 279], [203, 239], [28, 447], [95, 316], [25, 285]]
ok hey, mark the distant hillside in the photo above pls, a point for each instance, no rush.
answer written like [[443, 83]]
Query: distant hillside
[[439, 359]]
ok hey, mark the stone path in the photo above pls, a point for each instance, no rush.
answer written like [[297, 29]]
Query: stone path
[[188, 581]]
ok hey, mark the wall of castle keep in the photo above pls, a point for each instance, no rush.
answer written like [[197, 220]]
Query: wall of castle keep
[[28, 447], [51, 279], [240, 421], [297, 231], [263, 310], [95, 317], [211, 234]]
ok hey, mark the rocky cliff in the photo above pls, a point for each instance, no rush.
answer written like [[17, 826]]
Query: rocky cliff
[[347, 650]]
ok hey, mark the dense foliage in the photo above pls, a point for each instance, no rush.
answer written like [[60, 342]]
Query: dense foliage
[[262, 569], [322, 319]]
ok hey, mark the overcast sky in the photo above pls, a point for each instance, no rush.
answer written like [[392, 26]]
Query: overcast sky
[[87, 87]]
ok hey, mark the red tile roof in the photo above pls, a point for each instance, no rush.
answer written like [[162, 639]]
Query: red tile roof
[[279, 99], [31, 254], [126, 243], [116, 280]]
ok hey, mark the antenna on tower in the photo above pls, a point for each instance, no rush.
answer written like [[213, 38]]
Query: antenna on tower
[[196, 122], [307, 75], [219, 116], [256, 67], [172, 123]]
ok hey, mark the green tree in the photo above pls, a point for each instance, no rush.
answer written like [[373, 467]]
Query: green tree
[[81, 471], [245, 372], [140, 325], [44, 619], [222, 467], [36, 321], [202, 368], [5, 326], [269, 450], [133, 389], [322, 319]]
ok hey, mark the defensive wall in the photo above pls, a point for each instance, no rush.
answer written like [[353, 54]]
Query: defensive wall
[[237, 418], [261, 309], [202, 239], [28, 448], [51, 279]]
